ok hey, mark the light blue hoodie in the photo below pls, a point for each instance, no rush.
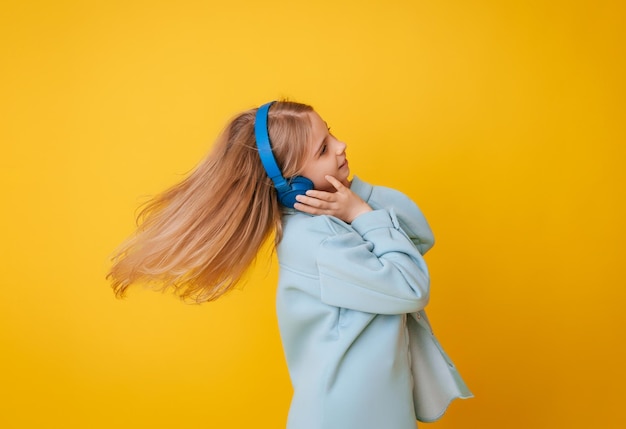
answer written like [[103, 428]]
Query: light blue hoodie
[[350, 300]]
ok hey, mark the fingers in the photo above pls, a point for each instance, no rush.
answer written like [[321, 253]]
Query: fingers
[[307, 209], [319, 195], [316, 202], [336, 183], [319, 199], [314, 208]]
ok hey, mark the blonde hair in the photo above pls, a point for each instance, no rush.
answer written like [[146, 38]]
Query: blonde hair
[[200, 236]]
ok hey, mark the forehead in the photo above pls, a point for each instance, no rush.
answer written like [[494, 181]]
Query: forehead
[[316, 119]]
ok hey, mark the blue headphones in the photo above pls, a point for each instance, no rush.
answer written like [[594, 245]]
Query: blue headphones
[[287, 190]]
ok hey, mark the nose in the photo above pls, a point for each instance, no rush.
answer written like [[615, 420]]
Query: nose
[[341, 147]]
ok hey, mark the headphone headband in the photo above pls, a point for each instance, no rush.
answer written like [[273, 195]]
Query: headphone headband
[[264, 146], [286, 191]]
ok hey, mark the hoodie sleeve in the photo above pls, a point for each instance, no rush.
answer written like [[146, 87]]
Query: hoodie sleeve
[[374, 267], [410, 217]]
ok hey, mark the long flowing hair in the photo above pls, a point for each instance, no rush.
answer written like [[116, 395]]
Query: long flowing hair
[[199, 236]]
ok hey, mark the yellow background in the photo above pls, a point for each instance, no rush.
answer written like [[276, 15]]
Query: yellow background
[[503, 120]]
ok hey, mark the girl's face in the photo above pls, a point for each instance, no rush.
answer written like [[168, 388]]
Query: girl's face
[[326, 156]]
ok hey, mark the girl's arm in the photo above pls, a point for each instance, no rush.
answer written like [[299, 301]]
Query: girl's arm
[[410, 217], [372, 267]]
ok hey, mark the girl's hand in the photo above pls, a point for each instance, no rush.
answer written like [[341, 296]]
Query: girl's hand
[[343, 204]]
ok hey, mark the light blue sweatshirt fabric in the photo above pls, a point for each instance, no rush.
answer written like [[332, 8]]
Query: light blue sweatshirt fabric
[[360, 351]]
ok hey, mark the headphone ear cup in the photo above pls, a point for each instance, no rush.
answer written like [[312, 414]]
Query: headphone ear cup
[[298, 186]]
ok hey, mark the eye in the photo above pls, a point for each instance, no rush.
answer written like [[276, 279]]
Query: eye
[[323, 151]]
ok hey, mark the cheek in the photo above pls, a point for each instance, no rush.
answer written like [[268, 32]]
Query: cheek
[[316, 173], [319, 181]]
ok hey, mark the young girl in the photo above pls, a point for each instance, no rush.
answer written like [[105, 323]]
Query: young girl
[[353, 283]]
